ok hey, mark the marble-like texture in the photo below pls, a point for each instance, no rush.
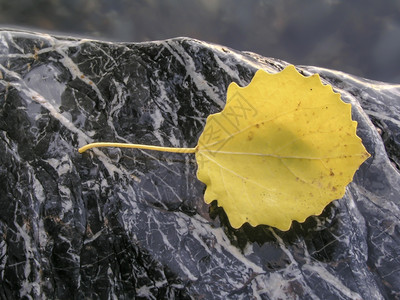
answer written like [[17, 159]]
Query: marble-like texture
[[120, 224]]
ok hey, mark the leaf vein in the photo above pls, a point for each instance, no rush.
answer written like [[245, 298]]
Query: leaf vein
[[277, 156], [238, 175], [261, 121]]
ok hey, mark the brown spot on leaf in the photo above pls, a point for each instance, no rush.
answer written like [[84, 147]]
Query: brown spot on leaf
[[331, 173], [258, 125], [334, 189], [250, 135]]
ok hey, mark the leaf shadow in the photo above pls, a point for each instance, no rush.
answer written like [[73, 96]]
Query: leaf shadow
[[315, 229]]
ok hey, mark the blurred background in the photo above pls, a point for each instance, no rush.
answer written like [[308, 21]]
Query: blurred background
[[361, 37]]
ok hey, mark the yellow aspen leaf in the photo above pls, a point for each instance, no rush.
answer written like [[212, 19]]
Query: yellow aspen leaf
[[282, 149]]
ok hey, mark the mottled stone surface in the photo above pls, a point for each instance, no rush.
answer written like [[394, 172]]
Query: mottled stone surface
[[131, 223]]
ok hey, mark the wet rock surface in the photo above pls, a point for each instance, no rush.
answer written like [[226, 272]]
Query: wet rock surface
[[132, 223]]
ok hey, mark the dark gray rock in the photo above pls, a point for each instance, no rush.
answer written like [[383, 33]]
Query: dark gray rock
[[130, 223]]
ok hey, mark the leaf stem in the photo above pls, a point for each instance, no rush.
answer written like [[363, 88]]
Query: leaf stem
[[137, 146]]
